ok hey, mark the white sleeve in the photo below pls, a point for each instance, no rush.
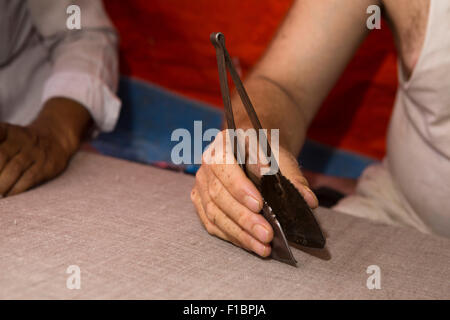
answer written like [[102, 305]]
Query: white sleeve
[[84, 62]]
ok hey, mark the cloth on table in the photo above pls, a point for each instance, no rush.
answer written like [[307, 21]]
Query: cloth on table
[[133, 232]]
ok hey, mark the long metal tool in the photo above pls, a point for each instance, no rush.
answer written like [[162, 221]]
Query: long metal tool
[[284, 207]]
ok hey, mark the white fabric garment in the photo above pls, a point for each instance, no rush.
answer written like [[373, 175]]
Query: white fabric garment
[[41, 58], [417, 164]]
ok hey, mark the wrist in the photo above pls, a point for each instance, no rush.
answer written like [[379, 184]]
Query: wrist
[[65, 121]]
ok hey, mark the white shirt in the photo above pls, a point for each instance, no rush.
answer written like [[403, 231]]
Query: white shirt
[[418, 153], [412, 186], [41, 58]]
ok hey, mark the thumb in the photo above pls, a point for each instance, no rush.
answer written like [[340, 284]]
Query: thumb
[[290, 169]]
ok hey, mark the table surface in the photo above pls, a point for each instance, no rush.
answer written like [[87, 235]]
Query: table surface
[[133, 232]]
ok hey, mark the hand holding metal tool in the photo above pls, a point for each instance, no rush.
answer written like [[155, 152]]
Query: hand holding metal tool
[[284, 207]]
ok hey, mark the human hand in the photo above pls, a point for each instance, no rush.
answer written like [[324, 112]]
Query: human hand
[[30, 155], [228, 203]]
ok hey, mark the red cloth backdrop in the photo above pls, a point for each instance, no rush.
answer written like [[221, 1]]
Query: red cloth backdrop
[[167, 42]]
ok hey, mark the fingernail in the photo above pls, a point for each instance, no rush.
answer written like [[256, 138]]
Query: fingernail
[[261, 233], [259, 248], [252, 204]]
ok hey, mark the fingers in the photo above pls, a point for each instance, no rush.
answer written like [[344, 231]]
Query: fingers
[[3, 132], [210, 227], [221, 223], [234, 231], [7, 152], [290, 169], [3, 159], [238, 185], [13, 170], [28, 156], [253, 223], [29, 178], [219, 160]]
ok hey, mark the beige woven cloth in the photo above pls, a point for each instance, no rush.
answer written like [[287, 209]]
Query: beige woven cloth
[[133, 232]]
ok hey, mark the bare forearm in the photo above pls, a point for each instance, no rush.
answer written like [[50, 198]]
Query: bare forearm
[[276, 109], [305, 59]]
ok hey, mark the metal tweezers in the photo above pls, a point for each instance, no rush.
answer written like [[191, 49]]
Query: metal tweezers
[[283, 207]]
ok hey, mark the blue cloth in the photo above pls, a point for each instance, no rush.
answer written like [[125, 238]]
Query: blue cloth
[[150, 114]]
